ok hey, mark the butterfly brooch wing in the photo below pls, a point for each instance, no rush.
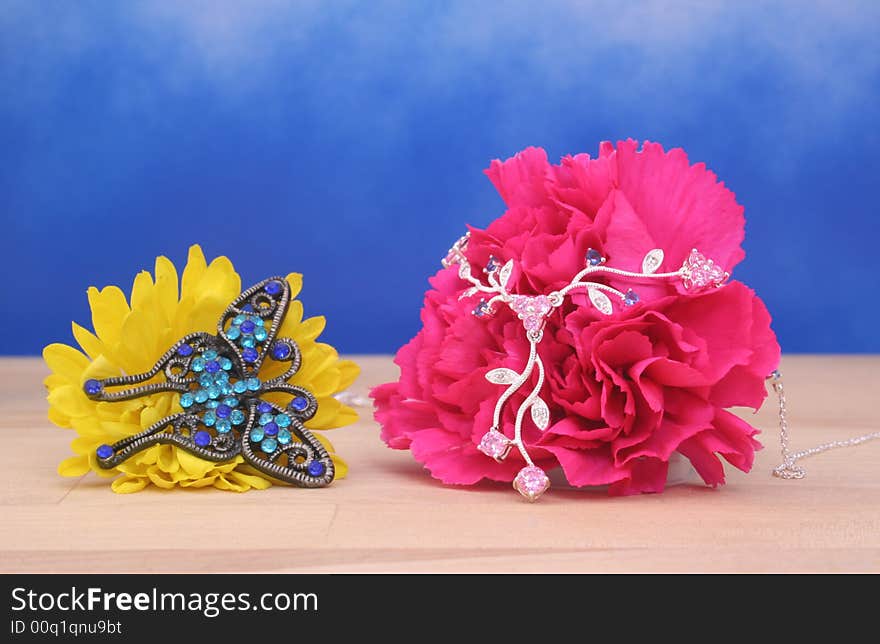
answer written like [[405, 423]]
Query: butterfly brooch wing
[[218, 379]]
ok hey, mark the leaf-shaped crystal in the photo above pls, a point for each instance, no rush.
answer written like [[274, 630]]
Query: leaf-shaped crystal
[[504, 273], [502, 376], [652, 261], [464, 270], [540, 414], [468, 293], [600, 301]]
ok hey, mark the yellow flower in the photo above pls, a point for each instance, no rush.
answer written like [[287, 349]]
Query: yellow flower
[[131, 335]]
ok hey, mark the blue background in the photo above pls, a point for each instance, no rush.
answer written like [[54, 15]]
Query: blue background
[[322, 138]]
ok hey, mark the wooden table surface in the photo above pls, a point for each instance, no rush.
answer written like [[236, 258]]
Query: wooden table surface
[[389, 515]]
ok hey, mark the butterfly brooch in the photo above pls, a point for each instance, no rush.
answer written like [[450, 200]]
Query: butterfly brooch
[[221, 393]]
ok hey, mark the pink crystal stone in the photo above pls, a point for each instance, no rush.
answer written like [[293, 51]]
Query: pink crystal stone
[[531, 310], [494, 444], [699, 272], [531, 482]]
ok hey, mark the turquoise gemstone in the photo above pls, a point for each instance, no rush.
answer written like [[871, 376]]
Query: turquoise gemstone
[[284, 436], [225, 363], [269, 445], [212, 404], [231, 401], [257, 434], [201, 396], [239, 319], [186, 400], [225, 389], [223, 425], [260, 334], [206, 380], [239, 387], [233, 333], [210, 354], [209, 418], [282, 420], [198, 364], [213, 392], [237, 417], [258, 321], [248, 341], [253, 384], [266, 418]]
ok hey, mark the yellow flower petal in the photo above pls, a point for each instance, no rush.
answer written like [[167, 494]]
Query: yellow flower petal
[[141, 292], [128, 484], [56, 417], [70, 400], [257, 482], [74, 466], [66, 362], [87, 340], [168, 459], [340, 465], [109, 309], [192, 465], [166, 288], [295, 280], [202, 482], [332, 413], [100, 368], [310, 329], [348, 373], [158, 477], [192, 273]]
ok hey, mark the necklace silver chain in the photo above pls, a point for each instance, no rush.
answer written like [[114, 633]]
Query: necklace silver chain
[[789, 468]]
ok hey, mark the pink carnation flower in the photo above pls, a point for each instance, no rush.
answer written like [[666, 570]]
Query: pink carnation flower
[[625, 391]]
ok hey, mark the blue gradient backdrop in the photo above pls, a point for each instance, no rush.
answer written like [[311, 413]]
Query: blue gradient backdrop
[[319, 137]]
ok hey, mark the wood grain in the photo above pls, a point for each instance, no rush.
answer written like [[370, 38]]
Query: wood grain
[[389, 515]]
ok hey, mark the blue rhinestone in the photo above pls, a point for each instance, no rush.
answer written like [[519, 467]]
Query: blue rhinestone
[[481, 309], [281, 350], [239, 386], [209, 418], [594, 257], [270, 428], [104, 451], [212, 404], [92, 387], [198, 364], [237, 417], [223, 411], [225, 364], [210, 354], [630, 298], [225, 389], [282, 420], [284, 437], [201, 395], [233, 333], [260, 334], [202, 438], [212, 367], [266, 418], [206, 380], [493, 264], [264, 408], [248, 341], [223, 425], [257, 434], [186, 400], [269, 445], [258, 321], [184, 350], [221, 377], [300, 403], [248, 308], [239, 319], [230, 401], [316, 468], [273, 287], [214, 392], [253, 384], [250, 355], [247, 326]]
